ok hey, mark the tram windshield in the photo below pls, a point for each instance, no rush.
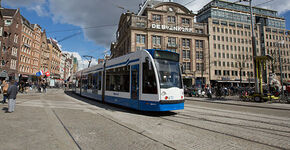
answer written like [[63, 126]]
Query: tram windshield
[[168, 73]]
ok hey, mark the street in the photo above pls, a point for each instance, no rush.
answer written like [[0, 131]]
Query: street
[[63, 120]]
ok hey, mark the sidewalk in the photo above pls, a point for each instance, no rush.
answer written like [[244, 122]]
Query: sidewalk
[[234, 100], [34, 92]]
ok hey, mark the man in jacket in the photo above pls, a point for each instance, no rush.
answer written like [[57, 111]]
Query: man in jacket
[[12, 92]]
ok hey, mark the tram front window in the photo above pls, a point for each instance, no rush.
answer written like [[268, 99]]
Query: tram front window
[[168, 73]]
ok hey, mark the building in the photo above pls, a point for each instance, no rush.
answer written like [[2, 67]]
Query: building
[[10, 42], [25, 54], [65, 66], [44, 57], [170, 26], [54, 58], [74, 65], [231, 53], [36, 49], [3, 74]]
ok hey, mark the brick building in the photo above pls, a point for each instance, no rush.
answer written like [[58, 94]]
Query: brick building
[[10, 45], [26, 50], [54, 58], [170, 26], [44, 53]]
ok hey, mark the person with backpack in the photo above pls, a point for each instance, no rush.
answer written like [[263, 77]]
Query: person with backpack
[[5, 87]]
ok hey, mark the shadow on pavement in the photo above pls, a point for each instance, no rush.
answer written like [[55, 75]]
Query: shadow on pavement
[[5, 109], [114, 107]]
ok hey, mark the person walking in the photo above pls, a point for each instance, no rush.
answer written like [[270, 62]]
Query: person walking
[[5, 86], [12, 92]]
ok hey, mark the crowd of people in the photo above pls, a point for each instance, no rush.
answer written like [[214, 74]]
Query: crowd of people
[[10, 89]]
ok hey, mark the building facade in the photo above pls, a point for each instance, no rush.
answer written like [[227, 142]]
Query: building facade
[[10, 42], [25, 57], [54, 58], [36, 49], [168, 26], [231, 53], [44, 53]]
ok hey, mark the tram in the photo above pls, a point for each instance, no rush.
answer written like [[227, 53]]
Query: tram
[[146, 80]]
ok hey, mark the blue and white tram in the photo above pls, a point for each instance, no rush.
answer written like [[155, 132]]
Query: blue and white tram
[[147, 80]]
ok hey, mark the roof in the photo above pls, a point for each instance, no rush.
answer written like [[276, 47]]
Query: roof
[[8, 12], [26, 22]]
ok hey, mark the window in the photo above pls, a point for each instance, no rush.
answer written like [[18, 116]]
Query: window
[[185, 20], [171, 19], [186, 65], [140, 38], [117, 79], [156, 40], [8, 22], [199, 67], [186, 54], [15, 38], [186, 42], [199, 43], [199, 54], [156, 17], [149, 85], [1, 31], [140, 24], [172, 41]]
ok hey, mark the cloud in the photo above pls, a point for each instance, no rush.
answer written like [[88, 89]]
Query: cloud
[[92, 13], [106, 13], [82, 62], [23, 3]]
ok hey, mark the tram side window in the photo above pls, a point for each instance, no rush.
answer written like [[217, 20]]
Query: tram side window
[[117, 79], [90, 81], [85, 82], [78, 82], [149, 80], [100, 80], [95, 83]]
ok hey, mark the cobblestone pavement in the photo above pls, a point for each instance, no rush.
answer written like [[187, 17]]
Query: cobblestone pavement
[[58, 120]]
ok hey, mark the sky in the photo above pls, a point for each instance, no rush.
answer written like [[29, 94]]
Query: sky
[[87, 27]]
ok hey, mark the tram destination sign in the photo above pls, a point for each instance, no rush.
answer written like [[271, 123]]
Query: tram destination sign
[[171, 28]]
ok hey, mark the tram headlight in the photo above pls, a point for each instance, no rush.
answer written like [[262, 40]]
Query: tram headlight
[[163, 93]]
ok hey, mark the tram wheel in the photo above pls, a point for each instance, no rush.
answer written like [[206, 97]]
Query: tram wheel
[[257, 99]]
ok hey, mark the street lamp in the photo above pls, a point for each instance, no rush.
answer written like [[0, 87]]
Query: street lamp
[[253, 45], [280, 63]]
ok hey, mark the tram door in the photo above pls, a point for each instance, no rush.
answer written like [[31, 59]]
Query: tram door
[[135, 82]]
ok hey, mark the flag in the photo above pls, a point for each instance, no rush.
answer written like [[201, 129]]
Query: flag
[[47, 73], [39, 73]]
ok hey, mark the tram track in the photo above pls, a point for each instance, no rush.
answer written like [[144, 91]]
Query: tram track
[[203, 108], [222, 133], [239, 118], [235, 104], [254, 128]]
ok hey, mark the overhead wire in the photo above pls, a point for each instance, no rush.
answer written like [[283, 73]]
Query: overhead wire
[[83, 28], [263, 3]]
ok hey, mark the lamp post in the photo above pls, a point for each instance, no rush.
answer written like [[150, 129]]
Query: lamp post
[[253, 46], [280, 63]]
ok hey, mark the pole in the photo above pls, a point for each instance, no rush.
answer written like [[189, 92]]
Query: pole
[[254, 49], [280, 63]]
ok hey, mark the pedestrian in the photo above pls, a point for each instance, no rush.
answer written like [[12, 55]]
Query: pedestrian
[[12, 92], [44, 85], [5, 87]]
